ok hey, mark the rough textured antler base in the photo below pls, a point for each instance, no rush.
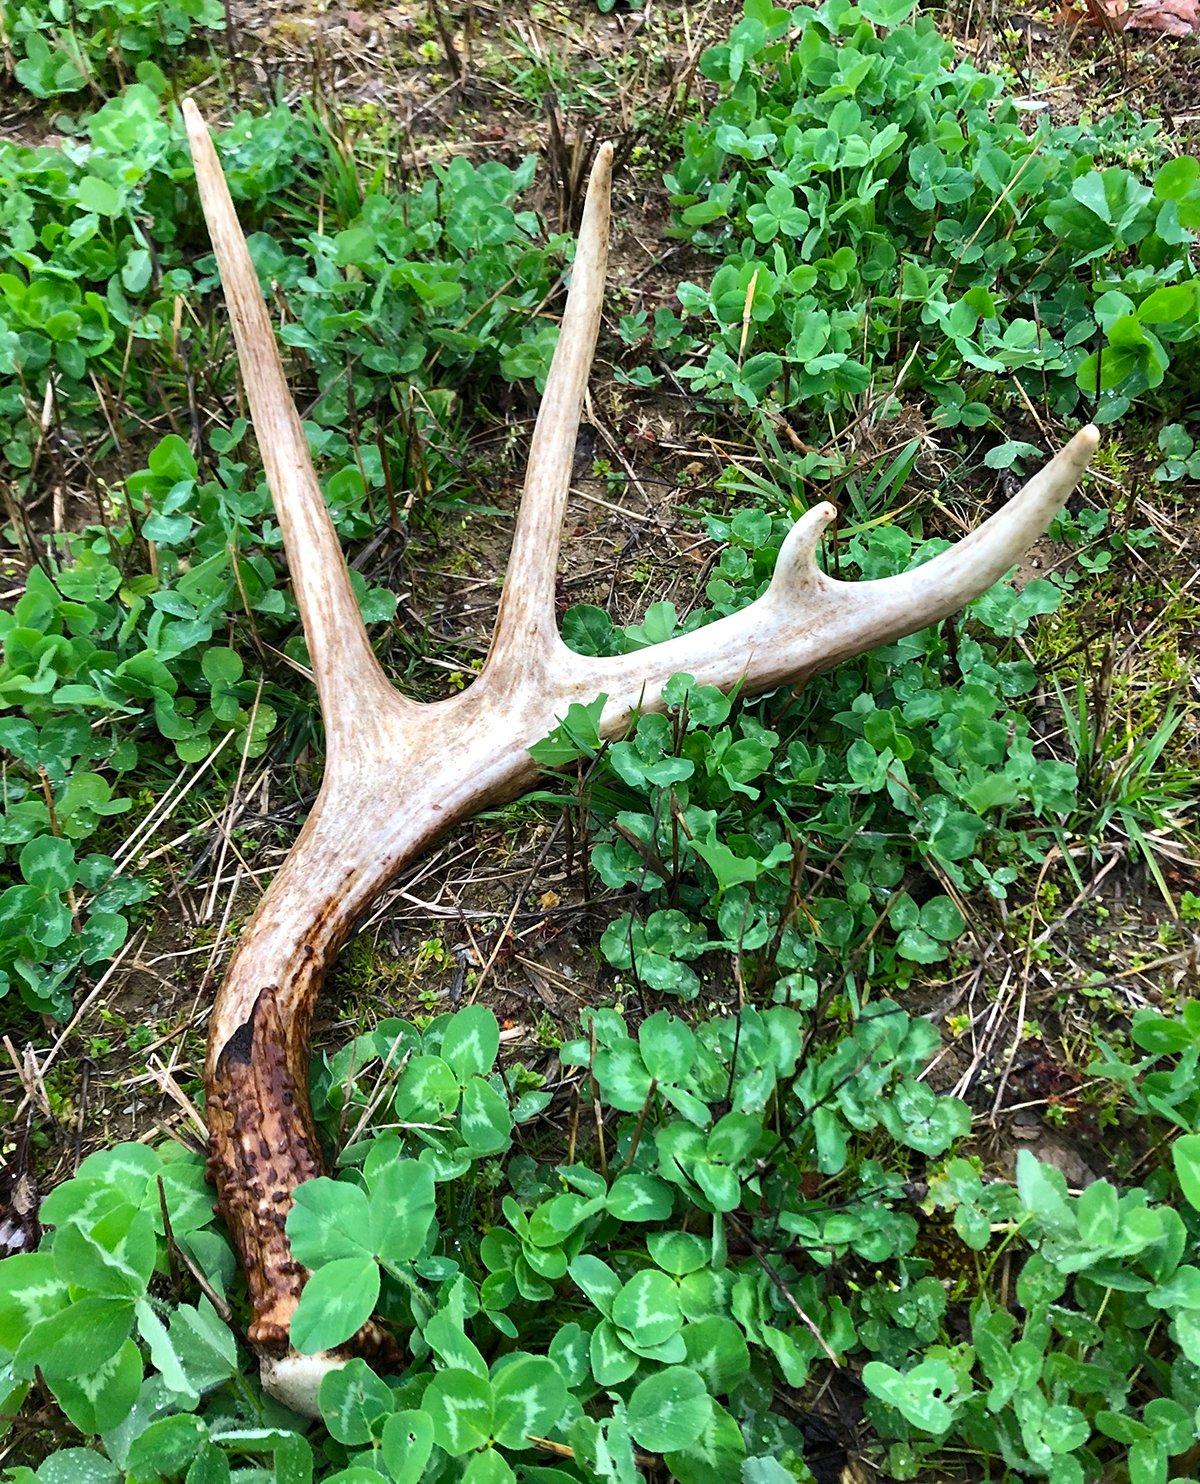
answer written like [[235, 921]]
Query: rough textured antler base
[[398, 775], [263, 1145]]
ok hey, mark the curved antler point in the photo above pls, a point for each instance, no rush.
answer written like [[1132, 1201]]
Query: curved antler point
[[797, 555]]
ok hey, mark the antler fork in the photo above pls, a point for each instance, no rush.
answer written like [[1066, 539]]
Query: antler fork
[[398, 774]]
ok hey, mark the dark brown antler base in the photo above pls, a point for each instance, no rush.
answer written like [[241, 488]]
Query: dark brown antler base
[[263, 1145]]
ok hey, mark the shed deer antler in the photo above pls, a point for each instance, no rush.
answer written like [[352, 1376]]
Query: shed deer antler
[[398, 774]]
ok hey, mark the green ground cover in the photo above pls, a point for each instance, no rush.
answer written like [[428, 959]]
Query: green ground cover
[[767, 1202]]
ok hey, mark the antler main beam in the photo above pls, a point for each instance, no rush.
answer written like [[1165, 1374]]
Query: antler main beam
[[399, 774]]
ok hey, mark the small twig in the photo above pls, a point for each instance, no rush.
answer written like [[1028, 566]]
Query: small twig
[[772, 1272], [641, 1123], [169, 1235], [599, 1116]]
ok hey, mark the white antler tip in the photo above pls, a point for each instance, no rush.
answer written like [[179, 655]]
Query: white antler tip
[[192, 117], [801, 541], [1072, 459], [600, 179], [796, 566]]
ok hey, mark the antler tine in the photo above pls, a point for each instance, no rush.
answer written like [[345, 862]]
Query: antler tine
[[525, 625], [957, 576], [342, 659], [807, 621]]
